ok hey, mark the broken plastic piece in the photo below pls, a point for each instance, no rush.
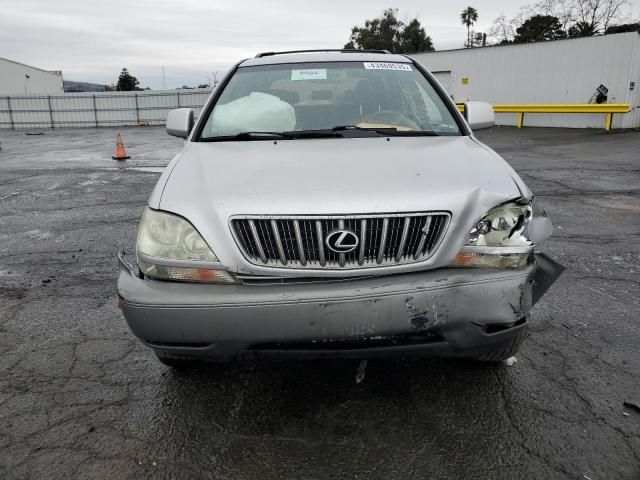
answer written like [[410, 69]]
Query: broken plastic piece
[[360, 373], [547, 272], [635, 404]]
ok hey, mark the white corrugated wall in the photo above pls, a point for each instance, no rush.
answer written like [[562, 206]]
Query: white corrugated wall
[[19, 79], [563, 71], [633, 118], [102, 109]]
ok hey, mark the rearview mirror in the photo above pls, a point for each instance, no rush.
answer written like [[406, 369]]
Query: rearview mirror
[[479, 115], [180, 122]]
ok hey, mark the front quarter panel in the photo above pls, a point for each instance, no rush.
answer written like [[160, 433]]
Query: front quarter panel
[[156, 193]]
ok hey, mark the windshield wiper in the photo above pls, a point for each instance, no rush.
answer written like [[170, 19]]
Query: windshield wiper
[[390, 131], [380, 130], [248, 136], [322, 133]]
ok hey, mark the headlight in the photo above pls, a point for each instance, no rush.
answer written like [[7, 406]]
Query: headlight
[[163, 235], [503, 226], [170, 248], [499, 239]]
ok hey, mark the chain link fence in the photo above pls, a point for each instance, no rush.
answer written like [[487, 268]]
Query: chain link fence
[[108, 109]]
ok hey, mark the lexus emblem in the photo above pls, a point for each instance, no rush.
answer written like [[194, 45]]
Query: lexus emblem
[[342, 241]]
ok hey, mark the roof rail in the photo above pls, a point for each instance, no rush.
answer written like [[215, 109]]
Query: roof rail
[[342, 50]]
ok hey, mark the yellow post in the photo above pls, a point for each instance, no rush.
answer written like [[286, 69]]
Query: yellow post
[[607, 121], [520, 119]]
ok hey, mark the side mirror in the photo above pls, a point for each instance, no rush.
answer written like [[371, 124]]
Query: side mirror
[[479, 115], [180, 122]]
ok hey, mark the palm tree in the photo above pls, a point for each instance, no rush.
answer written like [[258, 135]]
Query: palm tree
[[469, 16]]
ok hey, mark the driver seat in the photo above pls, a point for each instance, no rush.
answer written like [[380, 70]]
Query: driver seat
[[369, 96]]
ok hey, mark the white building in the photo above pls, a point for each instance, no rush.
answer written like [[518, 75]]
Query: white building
[[19, 79], [560, 72]]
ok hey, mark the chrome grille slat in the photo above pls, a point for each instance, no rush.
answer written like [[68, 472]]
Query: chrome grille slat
[[363, 241], [341, 256], [424, 233], [383, 240], [256, 239], [430, 238], [403, 238], [276, 235], [265, 239], [301, 255], [320, 237], [415, 230], [299, 241], [374, 239]]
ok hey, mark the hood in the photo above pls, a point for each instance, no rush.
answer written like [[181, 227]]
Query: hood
[[214, 181]]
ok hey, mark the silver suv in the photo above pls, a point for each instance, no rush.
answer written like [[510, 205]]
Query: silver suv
[[334, 203]]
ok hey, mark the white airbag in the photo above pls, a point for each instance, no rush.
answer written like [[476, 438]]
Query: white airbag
[[257, 112]]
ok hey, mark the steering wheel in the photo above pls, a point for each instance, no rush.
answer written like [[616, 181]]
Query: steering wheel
[[389, 117]]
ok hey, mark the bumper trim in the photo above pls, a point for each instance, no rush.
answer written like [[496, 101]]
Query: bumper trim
[[169, 294]]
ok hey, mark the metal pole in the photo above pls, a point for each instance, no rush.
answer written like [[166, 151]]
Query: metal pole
[[178, 95], [137, 109], [95, 110], [50, 111], [13, 127]]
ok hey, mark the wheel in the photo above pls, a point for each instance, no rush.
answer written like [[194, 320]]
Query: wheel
[[505, 351], [178, 363]]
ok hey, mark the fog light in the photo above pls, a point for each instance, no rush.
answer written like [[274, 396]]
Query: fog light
[[187, 274]]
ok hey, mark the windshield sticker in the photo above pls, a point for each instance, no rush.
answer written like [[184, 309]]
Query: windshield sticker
[[387, 66], [314, 74]]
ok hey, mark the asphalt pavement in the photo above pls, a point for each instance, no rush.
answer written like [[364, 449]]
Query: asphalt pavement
[[81, 398]]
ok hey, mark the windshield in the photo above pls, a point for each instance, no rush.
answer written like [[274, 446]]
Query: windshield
[[357, 98]]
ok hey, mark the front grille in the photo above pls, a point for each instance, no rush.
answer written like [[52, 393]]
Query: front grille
[[300, 242]]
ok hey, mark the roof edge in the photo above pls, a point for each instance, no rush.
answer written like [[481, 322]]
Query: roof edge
[[35, 68], [462, 49]]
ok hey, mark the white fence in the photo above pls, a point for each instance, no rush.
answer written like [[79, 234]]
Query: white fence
[[107, 109]]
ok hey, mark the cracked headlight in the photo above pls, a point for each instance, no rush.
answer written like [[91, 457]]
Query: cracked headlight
[[170, 248], [499, 239]]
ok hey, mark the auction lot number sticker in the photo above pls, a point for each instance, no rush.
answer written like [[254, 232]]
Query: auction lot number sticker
[[387, 66], [311, 74]]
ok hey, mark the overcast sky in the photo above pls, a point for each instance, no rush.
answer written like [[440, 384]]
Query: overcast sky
[[91, 41]]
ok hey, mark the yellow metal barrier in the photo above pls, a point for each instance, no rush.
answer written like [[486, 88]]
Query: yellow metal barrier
[[607, 108]]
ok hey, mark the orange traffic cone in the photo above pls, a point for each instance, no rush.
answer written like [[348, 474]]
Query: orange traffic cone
[[121, 153]]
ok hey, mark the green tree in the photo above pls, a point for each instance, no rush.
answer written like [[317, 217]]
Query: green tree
[[127, 82], [625, 27], [581, 29], [539, 28], [389, 33], [469, 16], [414, 39]]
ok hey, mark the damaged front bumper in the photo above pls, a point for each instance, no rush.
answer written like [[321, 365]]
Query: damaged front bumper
[[448, 312]]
